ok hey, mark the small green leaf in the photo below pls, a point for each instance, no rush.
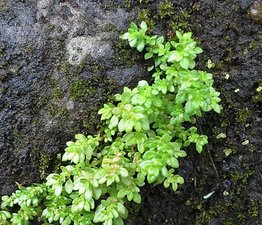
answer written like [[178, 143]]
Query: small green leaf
[[143, 25], [138, 99], [122, 125], [133, 43], [122, 193], [58, 190], [173, 162], [69, 186], [199, 148], [174, 186], [137, 198], [125, 36], [118, 221], [140, 46], [97, 192], [123, 172], [148, 55], [114, 121], [179, 179], [151, 178], [184, 63], [133, 26], [67, 221], [216, 108], [121, 209]]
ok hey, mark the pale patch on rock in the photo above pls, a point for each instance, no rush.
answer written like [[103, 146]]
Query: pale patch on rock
[[79, 47]]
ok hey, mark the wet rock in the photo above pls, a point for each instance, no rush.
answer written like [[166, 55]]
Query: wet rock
[[121, 75], [36, 99]]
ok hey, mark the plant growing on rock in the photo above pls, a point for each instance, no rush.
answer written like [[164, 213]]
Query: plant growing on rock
[[142, 139]]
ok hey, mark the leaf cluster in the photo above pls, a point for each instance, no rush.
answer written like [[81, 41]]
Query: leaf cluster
[[144, 134]]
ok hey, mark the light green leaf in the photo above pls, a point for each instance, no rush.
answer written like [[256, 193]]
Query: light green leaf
[[216, 108], [122, 193], [121, 209], [173, 162], [133, 43], [199, 148], [133, 26], [137, 198], [58, 190], [143, 25], [114, 121], [122, 125], [138, 99], [69, 186], [148, 55], [97, 192], [140, 45], [123, 172], [118, 221], [184, 63]]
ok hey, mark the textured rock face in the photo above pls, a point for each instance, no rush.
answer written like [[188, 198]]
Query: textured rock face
[[46, 96], [60, 61], [79, 47]]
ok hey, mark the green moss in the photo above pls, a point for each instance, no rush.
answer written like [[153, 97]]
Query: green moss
[[27, 49], [180, 21], [57, 93], [227, 37], [50, 27], [3, 6], [253, 45], [111, 28], [55, 111], [254, 210], [165, 9], [257, 97], [234, 206], [2, 53], [96, 90], [235, 7], [64, 67], [145, 15], [81, 89], [43, 100], [220, 65], [125, 56], [243, 115], [228, 57], [44, 163]]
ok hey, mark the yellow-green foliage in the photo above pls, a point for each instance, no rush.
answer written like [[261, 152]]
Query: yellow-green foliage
[[142, 139]]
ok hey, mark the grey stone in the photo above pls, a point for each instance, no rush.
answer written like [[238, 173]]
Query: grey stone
[[79, 47]]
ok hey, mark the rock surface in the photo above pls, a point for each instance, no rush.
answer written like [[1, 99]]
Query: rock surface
[[61, 60]]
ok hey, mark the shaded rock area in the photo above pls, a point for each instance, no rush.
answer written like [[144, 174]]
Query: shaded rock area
[[61, 60], [55, 66]]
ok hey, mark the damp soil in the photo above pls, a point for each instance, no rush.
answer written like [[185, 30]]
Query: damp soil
[[222, 185]]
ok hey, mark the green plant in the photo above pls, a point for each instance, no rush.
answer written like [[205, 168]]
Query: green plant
[[142, 139], [165, 9]]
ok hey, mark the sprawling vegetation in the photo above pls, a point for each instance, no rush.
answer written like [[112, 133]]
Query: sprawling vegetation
[[145, 131]]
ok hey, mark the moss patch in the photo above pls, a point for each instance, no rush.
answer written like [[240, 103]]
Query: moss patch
[[243, 115]]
